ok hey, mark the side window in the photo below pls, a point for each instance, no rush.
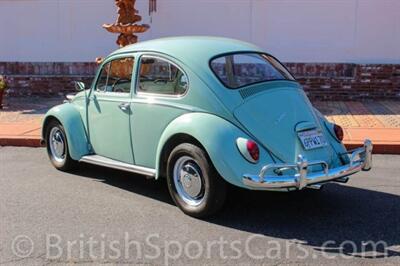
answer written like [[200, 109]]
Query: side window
[[102, 80], [158, 76], [116, 76]]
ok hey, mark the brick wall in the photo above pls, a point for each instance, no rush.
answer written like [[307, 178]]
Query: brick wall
[[322, 81], [45, 79]]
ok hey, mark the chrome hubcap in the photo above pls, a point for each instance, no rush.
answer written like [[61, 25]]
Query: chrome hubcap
[[57, 144], [188, 180]]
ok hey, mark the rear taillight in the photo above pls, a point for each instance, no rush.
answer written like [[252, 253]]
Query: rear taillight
[[338, 132], [249, 149], [253, 150]]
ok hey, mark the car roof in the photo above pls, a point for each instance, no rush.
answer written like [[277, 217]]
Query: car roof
[[190, 48]]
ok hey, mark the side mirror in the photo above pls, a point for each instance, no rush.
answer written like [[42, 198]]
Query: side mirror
[[79, 86]]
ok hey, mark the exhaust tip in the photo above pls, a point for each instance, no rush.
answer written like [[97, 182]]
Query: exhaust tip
[[315, 187], [342, 180]]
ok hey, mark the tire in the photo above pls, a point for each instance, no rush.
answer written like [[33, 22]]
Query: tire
[[193, 182], [57, 147]]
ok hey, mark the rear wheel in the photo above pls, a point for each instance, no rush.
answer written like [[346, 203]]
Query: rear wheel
[[194, 184], [57, 147]]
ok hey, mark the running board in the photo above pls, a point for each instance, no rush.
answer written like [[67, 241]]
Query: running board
[[110, 163]]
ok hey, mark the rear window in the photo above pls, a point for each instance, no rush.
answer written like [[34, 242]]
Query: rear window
[[242, 69]]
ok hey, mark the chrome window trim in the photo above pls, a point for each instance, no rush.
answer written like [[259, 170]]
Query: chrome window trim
[[106, 61], [293, 79], [158, 95]]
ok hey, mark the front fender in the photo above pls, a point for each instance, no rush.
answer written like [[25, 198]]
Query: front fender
[[218, 137], [71, 120]]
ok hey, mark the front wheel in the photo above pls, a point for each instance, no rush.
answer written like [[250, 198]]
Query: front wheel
[[194, 184], [57, 147]]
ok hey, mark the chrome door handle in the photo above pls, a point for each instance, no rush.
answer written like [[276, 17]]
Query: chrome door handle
[[124, 106]]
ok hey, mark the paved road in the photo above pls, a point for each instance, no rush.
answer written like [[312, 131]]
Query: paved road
[[96, 215]]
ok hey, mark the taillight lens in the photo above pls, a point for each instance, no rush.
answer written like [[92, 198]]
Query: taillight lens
[[249, 149], [338, 132], [253, 150]]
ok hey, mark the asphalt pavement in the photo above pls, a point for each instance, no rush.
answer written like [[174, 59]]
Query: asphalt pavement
[[96, 215]]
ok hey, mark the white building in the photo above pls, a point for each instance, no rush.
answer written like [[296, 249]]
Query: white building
[[356, 31], [46, 44]]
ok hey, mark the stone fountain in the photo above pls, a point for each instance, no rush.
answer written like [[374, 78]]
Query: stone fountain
[[126, 24]]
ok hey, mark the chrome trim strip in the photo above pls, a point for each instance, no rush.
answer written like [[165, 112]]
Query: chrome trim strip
[[155, 101], [122, 95], [360, 159], [110, 163], [159, 102]]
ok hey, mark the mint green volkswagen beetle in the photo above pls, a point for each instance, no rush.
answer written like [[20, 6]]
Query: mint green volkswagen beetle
[[203, 113]]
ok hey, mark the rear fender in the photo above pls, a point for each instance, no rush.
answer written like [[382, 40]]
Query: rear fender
[[329, 133], [71, 120], [218, 138]]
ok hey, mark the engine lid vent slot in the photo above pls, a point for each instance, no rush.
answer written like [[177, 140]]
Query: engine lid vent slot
[[247, 92]]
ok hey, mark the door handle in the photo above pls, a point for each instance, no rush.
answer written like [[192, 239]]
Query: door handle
[[124, 106]]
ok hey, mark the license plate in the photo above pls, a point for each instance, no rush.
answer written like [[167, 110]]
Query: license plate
[[312, 139]]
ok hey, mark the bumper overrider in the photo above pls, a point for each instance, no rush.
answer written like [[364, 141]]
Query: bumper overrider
[[360, 159]]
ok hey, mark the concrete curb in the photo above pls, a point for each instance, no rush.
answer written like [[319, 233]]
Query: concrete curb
[[379, 148], [20, 141]]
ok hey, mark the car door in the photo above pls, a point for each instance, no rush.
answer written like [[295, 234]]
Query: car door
[[109, 111], [160, 90]]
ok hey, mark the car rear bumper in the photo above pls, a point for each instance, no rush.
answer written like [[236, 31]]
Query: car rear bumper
[[360, 159]]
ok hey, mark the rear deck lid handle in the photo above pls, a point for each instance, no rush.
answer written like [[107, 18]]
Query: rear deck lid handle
[[305, 125]]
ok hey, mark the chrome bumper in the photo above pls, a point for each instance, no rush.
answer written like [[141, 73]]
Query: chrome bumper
[[360, 159]]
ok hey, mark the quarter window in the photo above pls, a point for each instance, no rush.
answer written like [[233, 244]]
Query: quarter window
[[116, 76], [158, 76]]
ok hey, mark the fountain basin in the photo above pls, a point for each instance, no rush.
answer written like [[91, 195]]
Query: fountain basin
[[126, 28]]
